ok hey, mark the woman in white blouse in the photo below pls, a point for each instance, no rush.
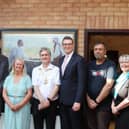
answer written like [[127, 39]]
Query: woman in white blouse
[[45, 79]]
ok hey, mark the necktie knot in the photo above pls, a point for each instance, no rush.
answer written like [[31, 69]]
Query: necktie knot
[[66, 57]]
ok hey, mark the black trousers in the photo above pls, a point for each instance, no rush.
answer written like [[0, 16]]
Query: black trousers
[[70, 119], [122, 119], [1, 101], [98, 119], [48, 115]]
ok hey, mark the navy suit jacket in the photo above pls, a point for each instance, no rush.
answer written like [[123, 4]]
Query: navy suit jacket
[[73, 84]]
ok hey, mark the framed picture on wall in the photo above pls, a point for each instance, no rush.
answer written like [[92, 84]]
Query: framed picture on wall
[[26, 43]]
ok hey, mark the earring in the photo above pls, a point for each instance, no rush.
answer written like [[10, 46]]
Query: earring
[[105, 56]]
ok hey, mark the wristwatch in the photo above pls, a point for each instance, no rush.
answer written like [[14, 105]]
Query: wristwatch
[[96, 102], [49, 99]]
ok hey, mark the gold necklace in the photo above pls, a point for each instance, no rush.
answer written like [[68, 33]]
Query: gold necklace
[[45, 81], [44, 75]]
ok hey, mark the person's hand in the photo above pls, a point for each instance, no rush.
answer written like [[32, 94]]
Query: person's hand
[[15, 107], [43, 104], [91, 103], [114, 109], [12, 107], [76, 106]]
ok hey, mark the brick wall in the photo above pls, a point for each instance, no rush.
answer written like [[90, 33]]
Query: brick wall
[[78, 14]]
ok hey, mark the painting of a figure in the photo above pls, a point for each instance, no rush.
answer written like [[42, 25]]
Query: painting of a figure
[[26, 44]]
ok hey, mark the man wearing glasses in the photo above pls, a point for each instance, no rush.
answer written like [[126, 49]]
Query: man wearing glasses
[[72, 86]]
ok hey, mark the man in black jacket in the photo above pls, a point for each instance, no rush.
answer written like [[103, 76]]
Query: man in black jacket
[[72, 75]]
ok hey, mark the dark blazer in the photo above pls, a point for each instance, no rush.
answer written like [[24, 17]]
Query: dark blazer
[[72, 87], [3, 68]]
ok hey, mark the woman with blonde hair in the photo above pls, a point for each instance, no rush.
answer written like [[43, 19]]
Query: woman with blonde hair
[[120, 103], [17, 93]]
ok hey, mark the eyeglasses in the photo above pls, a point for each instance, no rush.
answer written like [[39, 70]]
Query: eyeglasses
[[123, 61], [67, 44], [44, 55]]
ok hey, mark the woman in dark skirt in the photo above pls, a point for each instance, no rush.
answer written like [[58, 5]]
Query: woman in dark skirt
[[120, 103]]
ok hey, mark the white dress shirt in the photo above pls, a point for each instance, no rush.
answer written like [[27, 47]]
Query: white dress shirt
[[66, 61]]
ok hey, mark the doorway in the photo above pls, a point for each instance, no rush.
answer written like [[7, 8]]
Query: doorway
[[116, 41]]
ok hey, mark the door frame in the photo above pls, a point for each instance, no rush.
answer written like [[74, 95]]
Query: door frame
[[90, 32]]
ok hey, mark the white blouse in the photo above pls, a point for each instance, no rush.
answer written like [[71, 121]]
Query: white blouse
[[45, 79]]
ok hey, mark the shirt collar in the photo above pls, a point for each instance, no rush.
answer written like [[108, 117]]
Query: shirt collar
[[50, 66], [69, 55]]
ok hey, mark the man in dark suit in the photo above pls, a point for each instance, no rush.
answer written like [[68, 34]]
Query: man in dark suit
[[3, 73], [72, 86]]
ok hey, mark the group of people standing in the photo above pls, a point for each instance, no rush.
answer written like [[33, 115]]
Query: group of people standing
[[86, 94]]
